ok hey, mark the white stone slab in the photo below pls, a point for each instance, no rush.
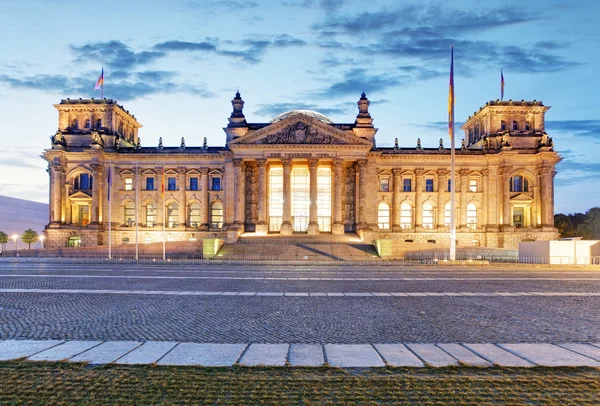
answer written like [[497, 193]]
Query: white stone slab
[[14, 349], [147, 353], [265, 355], [64, 351], [353, 355], [583, 349], [213, 355], [464, 356], [498, 356], [306, 355], [432, 355], [550, 355], [397, 355], [106, 352]]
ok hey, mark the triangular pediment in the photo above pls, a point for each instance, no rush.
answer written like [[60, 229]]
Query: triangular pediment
[[80, 196], [299, 129], [521, 198]]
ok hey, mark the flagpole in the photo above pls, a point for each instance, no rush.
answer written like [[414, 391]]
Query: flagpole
[[452, 169], [164, 213], [109, 211], [136, 210]]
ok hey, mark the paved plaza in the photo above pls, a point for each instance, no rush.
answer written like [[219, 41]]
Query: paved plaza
[[300, 315]]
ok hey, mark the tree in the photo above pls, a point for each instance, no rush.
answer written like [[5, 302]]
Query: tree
[[3, 239], [590, 229], [29, 237]]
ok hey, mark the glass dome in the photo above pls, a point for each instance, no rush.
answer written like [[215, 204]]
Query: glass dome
[[309, 113]]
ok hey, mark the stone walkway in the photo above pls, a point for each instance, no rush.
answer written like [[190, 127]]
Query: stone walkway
[[304, 355]]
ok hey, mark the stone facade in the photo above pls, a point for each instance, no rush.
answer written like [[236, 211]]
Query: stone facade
[[299, 173]]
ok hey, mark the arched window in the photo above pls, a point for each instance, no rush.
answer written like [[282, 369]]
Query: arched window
[[427, 215], [519, 183], [502, 125], [527, 126], [471, 216], [75, 124], [194, 215], [515, 125], [172, 215], [216, 215], [129, 213], [150, 214], [83, 181], [406, 216], [99, 123], [87, 123], [383, 216], [447, 214]]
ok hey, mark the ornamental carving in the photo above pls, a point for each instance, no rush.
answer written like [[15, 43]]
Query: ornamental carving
[[300, 133], [350, 195], [97, 168], [251, 200], [463, 172], [59, 168], [261, 162]]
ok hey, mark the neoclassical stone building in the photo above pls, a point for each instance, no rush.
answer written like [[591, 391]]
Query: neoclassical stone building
[[299, 173]]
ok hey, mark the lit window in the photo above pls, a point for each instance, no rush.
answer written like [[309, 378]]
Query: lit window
[[194, 216], [447, 214], [384, 185], [471, 216], [172, 183], [193, 183], [128, 183], [472, 185], [407, 185], [324, 199], [427, 215], [275, 198], [83, 182], [150, 215], [515, 125], [406, 215], [172, 215], [518, 217], [429, 185], [216, 184], [216, 215], [74, 242], [383, 216], [129, 213], [149, 183]]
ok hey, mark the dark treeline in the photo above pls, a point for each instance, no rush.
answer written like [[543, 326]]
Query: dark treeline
[[586, 225]]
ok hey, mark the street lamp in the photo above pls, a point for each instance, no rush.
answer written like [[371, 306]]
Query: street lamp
[[42, 240], [14, 237]]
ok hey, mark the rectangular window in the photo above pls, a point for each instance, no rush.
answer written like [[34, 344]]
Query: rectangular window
[[472, 185], [74, 242], [449, 185], [216, 184], [384, 185], [429, 185], [193, 183], [149, 183], [324, 199], [407, 185], [128, 183], [275, 198], [172, 183]]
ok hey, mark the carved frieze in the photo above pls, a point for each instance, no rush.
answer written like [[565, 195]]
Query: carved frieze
[[300, 133]]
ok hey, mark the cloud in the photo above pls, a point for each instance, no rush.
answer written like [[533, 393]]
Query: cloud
[[186, 46], [114, 55], [580, 128], [21, 157], [571, 172]]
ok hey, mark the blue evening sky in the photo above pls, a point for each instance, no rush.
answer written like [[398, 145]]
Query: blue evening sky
[[177, 64]]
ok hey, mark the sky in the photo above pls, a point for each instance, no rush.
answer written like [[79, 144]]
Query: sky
[[176, 65]]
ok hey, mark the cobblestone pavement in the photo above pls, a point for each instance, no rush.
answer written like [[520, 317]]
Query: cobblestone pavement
[[219, 304]]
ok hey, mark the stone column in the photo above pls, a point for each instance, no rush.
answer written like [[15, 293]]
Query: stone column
[[338, 180], [68, 209], [239, 195], [286, 225], [464, 188], [205, 205], [362, 194], [484, 193], [181, 187], [396, 188], [418, 199], [262, 228], [441, 203], [58, 172], [505, 188], [313, 221], [547, 175], [97, 170]]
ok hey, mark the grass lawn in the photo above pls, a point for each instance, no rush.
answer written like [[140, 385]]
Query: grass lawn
[[23, 382]]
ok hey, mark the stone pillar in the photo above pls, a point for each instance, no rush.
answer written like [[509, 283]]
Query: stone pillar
[[205, 205], [58, 173], [338, 180], [547, 176], [313, 221], [418, 199], [239, 195], [286, 225], [97, 170], [362, 194], [464, 188], [262, 228], [181, 187], [441, 203], [493, 200], [505, 188], [396, 188], [484, 193], [68, 208]]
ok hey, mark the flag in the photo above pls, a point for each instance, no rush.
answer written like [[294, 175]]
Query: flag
[[451, 96], [501, 85], [100, 81], [162, 186], [109, 181]]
